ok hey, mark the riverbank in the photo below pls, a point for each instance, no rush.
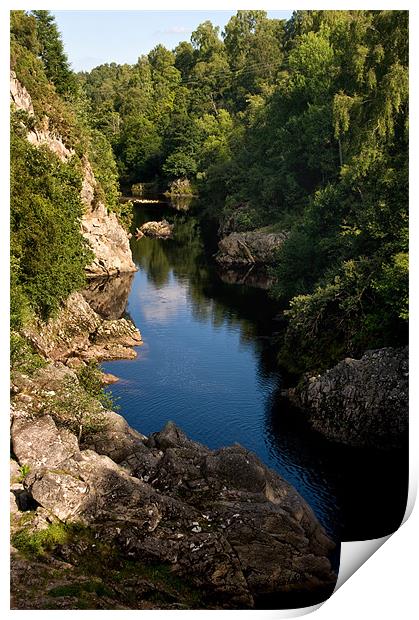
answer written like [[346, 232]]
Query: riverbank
[[187, 527]]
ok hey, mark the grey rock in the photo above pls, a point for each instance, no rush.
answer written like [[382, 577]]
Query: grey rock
[[235, 529], [105, 235], [360, 402], [118, 440], [249, 248], [38, 443], [161, 229], [78, 331]]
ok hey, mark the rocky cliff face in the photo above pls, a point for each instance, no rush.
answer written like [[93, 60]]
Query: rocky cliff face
[[360, 402], [41, 136], [229, 530], [101, 229], [107, 238]]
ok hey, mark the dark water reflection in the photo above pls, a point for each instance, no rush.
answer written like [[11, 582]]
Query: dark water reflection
[[109, 296], [209, 364]]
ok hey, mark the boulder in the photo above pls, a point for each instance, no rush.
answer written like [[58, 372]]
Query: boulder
[[219, 520], [360, 402], [117, 440], [161, 229], [39, 444], [249, 248]]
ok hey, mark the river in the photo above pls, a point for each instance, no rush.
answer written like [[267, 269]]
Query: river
[[209, 364]]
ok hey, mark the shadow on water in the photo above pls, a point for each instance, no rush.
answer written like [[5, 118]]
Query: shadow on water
[[209, 364]]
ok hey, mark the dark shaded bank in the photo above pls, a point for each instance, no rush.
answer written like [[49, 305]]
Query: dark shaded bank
[[210, 363], [370, 486]]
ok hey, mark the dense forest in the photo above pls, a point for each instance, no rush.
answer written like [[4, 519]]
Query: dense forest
[[298, 125]]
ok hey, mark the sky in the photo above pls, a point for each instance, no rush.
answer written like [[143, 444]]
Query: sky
[[92, 38]]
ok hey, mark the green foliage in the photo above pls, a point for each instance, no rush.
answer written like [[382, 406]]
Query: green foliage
[[90, 378], [104, 167], [393, 283], [344, 316], [125, 213], [50, 109], [35, 544], [77, 409], [22, 355], [79, 589], [24, 470], [179, 165], [48, 251], [51, 52]]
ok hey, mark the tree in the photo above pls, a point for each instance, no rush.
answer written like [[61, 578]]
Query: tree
[[48, 251], [52, 53]]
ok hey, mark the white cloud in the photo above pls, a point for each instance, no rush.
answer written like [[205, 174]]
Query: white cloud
[[160, 305]]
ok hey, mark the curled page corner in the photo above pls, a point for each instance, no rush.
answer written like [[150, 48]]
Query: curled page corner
[[355, 553]]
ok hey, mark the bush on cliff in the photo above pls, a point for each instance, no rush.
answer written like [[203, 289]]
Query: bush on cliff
[[48, 251], [76, 409]]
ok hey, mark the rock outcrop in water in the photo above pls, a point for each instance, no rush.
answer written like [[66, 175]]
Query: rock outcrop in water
[[160, 230], [249, 248], [78, 332], [360, 402], [224, 530]]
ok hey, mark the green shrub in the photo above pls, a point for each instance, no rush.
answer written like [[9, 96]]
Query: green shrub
[[23, 472], [90, 378], [76, 409], [22, 356], [49, 253]]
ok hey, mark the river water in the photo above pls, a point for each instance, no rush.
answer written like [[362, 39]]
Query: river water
[[209, 364]]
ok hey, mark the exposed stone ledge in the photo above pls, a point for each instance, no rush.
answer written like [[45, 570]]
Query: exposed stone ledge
[[360, 402], [220, 519], [79, 332]]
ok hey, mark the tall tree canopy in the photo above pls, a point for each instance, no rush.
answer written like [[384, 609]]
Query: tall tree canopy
[[303, 124]]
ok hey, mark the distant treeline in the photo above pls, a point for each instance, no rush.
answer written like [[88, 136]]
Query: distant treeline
[[302, 124]]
